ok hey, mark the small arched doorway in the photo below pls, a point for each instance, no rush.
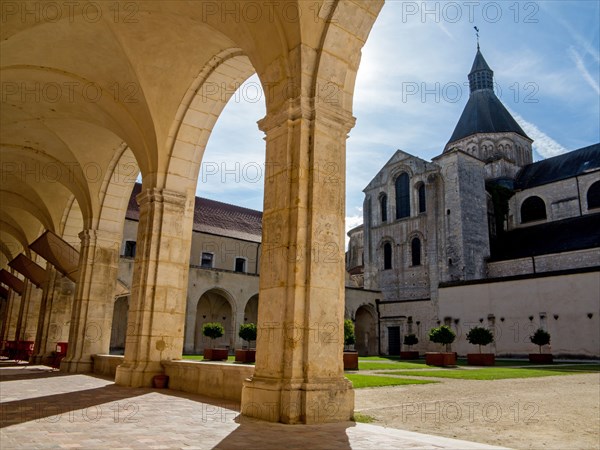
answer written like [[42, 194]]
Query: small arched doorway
[[366, 332], [119, 326], [251, 310], [214, 306]]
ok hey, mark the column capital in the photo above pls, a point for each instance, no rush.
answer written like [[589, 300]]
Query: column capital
[[99, 238], [160, 195], [311, 109]]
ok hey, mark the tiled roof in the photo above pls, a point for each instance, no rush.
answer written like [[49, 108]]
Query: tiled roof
[[571, 234], [484, 113], [215, 217], [559, 167]]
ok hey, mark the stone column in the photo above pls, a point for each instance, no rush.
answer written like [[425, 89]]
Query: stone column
[[12, 310], [6, 313], [30, 312], [155, 328], [55, 315], [299, 375], [21, 312], [91, 315]]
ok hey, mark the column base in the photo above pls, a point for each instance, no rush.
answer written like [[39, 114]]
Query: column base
[[38, 360], [298, 403], [137, 374], [77, 366]]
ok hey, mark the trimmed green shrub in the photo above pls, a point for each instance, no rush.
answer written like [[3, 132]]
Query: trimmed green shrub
[[540, 338], [442, 335], [248, 332], [480, 336], [349, 336], [410, 340], [213, 330]]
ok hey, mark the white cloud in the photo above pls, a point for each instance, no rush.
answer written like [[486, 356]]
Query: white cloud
[[543, 144], [583, 70], [353, 221]]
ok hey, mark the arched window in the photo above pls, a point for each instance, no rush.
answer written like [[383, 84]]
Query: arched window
[[415, 249], [402, 196], [593, 196], [387, 256], [533, 208], [383, 204], [422, 205]]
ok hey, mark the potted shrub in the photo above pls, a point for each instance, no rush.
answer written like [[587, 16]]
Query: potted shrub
[[540, 338], [214, 330], [247, 333], [445, 336], [409, 341], [350, 356], [480, 336], [160, 381]]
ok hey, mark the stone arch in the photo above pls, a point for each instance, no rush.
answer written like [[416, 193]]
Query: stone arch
[[383, 207], [115, 192], [119, 325], [10, 226], [365, 324], [199, 111], [533, 208], [593, 195], [402, 193], [212, 306], [71, 223], [251, 310]]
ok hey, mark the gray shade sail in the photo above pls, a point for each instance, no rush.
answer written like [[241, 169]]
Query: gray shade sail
[[57, 252], [12, 281], [29, 269]]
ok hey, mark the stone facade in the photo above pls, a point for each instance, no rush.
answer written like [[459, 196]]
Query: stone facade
[[157, 108], [217, 292], [463, 218]]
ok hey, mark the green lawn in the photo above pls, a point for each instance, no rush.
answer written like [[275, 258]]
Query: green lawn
[[391, 365], [497, 373], [379, 358], [201, 357], [363, 381], [362, 418]]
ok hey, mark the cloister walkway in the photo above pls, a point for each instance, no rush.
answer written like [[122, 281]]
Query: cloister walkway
[[42, 408]]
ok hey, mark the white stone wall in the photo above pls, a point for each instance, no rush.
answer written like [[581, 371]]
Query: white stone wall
[[406, 315], [515, 309]]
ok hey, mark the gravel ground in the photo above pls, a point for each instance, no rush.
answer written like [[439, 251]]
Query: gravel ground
[[557, 412]]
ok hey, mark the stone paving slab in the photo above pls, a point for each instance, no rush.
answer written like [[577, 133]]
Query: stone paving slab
[[44, 409]]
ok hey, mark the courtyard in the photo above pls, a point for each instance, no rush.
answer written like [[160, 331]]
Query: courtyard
[[42, 408]]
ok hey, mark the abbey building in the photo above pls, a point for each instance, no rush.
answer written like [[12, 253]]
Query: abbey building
[[484, 235]]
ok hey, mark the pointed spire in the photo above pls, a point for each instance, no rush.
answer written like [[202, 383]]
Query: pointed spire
[[481, 76]]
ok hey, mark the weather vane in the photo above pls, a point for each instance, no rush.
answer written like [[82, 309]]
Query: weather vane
[[477, 33]]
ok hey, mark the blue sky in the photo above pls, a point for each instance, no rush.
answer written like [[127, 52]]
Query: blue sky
[[410, 90]]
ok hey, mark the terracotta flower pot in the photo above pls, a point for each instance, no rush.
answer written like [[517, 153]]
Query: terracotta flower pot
[[541, 358], [440, 358], [409, 355], [481, 359], [350, 360], [245, 356], [160, 381], [216, 354]]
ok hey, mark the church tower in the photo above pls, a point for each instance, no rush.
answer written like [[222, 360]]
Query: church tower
[[487, 131], [487, 145]]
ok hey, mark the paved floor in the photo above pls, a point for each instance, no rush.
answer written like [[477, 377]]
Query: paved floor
[[41, 408]]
